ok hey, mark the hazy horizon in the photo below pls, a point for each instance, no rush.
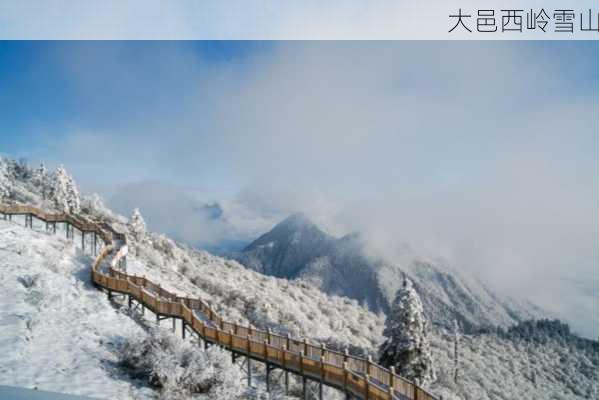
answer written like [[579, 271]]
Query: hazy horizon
[[482, 154]]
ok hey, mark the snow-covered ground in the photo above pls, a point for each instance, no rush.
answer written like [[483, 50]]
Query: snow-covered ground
[[57, 331], [242, 295], [495, 368]]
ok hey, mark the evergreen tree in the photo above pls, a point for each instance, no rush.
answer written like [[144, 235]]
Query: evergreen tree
[[40, 178], [406, 346], [137, 225], [64, 192], [73, 198], [4, 181]]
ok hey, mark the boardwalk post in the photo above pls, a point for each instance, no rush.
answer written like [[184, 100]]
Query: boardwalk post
[[249, 362], [54, 227], [345, 379], [174, 327], [83, 241], [95, 243], [286, 382], [129, 302], [304, 392], [392, 381], [322, 360], [267, 378], [368, 364], [183, 329], [367, 386]]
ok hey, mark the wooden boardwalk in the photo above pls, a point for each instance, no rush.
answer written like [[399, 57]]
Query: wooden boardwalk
[[357, 377]]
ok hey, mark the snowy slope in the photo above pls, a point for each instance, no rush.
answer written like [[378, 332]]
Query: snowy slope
[[59, 333], [245, 296], [492, 367], [495, 368], [297, 249]]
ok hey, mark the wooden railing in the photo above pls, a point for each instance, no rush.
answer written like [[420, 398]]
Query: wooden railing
[[357, 376]]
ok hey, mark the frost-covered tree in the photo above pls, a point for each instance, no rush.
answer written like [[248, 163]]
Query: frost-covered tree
[[137, 225], [4, 181], [64, 192], [73, 198], [407, 346], [179, 368], [40, 179]]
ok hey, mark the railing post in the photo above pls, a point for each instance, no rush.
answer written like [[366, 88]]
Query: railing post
[[268, 335], [249, 346], [322, 361], [368, 364], [345, 376], [392, 381], [305, 346], [265, 350], [301, 360], [367, 377]]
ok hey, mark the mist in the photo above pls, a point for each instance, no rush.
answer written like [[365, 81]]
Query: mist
[[483, 155]]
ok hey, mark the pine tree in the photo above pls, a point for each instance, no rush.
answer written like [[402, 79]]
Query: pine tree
[[406, 346], [64, 192], [73, 198], [40, 178], [4, 180], [137, 225]]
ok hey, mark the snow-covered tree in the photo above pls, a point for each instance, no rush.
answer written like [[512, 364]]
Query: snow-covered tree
[[407, 346], [73, 198], [137, 225], [40, 179], [4, 181], [179, 368], [64, 192]]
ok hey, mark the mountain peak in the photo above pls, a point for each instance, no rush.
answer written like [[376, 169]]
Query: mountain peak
[[296, 220]]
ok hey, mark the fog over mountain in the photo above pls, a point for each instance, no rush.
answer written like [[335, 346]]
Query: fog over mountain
[[297, 249], [483, 155]]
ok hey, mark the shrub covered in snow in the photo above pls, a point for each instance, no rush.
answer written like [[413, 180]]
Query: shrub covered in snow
[[181, 368]]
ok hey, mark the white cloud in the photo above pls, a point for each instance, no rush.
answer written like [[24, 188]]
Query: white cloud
[[482, 153]]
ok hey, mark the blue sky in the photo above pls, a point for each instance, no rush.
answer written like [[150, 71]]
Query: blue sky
[[483, 153]]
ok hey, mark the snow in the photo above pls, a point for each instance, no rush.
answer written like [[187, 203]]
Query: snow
[[244, 296], [493, 368], [58, 332]]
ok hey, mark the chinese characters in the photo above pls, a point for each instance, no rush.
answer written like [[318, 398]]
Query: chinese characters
[[520, 20]]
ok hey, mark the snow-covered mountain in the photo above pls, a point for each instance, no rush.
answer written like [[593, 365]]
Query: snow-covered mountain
[[297, 249], [62, 334]]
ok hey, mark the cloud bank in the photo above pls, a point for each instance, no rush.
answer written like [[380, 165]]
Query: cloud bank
[[485, 155]]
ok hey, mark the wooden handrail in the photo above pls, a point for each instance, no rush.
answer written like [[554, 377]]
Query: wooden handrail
[[358, 376]]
